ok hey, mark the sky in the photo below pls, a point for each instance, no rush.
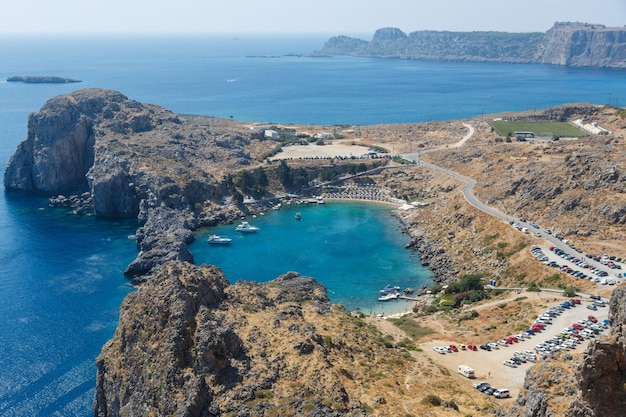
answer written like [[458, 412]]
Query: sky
[[336, 17]]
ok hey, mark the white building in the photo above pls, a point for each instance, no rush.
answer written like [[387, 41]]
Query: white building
[[270, 134]]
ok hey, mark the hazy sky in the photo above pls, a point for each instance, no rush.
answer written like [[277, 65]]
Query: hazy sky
[[341, 17]]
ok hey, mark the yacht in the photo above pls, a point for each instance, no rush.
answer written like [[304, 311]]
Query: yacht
[[390, 296], [246, 227], [218, 240]]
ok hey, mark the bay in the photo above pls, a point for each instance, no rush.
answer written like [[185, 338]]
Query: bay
[[353, 248], [61, 280]]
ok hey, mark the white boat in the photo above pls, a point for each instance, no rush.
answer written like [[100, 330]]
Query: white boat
[[390, 296], [298, 216], [246, 227], [218, 240], [388, 288]]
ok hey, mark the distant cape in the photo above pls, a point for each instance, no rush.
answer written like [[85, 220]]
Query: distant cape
[[566, 43], [41, 79]]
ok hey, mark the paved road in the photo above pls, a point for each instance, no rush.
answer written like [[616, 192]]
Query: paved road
[[468, 193], [470, 183]]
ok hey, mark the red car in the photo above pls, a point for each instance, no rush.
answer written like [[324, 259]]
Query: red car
[[592, 319], [453, 348], [472, 347], [578, 326]]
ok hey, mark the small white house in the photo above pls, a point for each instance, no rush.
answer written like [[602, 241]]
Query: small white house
[[270, 134], [324, 136]]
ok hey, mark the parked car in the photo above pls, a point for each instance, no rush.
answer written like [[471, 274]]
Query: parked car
[[509, 363], [501, 393], [479, 384]]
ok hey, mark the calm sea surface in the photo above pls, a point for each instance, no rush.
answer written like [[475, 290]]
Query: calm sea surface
[[61, 280]]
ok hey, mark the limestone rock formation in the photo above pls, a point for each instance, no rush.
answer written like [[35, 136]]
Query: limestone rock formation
[[98, 151], [585, 45], [571, 44], [188, 344], [126, 154]]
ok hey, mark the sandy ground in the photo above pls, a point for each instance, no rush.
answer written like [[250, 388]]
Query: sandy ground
[[321, 151], [488, 364]]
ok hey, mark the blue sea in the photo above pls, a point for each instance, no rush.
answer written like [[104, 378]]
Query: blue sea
[[61, 280]]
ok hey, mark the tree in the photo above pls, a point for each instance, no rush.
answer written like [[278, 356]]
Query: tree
[[470, 282], [245, 181], [301, 177], [260, 180], [284, 174], [570, 292]]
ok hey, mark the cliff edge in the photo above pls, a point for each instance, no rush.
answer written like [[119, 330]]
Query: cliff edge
[[188, 343], [569, 44], [102, 153]]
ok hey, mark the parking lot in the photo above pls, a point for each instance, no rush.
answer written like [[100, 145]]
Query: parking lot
[[489, 366]]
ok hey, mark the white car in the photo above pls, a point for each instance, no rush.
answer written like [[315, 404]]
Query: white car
[[509, 363], [493, 345]]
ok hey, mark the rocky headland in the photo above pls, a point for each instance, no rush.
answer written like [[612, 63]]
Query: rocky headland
[[566, 43], [205, 348], [104, 154]]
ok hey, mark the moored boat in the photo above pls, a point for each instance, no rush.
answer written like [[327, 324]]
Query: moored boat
[[298, 216], [388, 288], [388, 297], [246, 227], [218, 240]]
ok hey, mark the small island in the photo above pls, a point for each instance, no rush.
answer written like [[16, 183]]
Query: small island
[[42, 79]]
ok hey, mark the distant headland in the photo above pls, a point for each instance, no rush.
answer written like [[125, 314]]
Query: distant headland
[[41, 79], [566, 43]]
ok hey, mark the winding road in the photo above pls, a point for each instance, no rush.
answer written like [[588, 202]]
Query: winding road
[[470, 183], [468, 193]]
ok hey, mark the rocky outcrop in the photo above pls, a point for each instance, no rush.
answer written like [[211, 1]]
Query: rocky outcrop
[[164, 237], [123, 153], [188, 344], [571, 44], [99, 152], [585, 45], [41, 79]]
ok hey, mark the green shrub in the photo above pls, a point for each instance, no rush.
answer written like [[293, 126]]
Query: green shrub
[[431, 399]]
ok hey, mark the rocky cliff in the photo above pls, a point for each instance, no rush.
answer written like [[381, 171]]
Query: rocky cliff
[[127, 155], [189, 344], [583, 45], [572, 44]]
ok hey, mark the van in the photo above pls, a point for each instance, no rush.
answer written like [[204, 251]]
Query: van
[[524, 230], [466, 371], [501, 393]]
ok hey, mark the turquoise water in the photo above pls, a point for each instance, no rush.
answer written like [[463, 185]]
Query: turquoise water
[[61, 280], [354, 249]]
